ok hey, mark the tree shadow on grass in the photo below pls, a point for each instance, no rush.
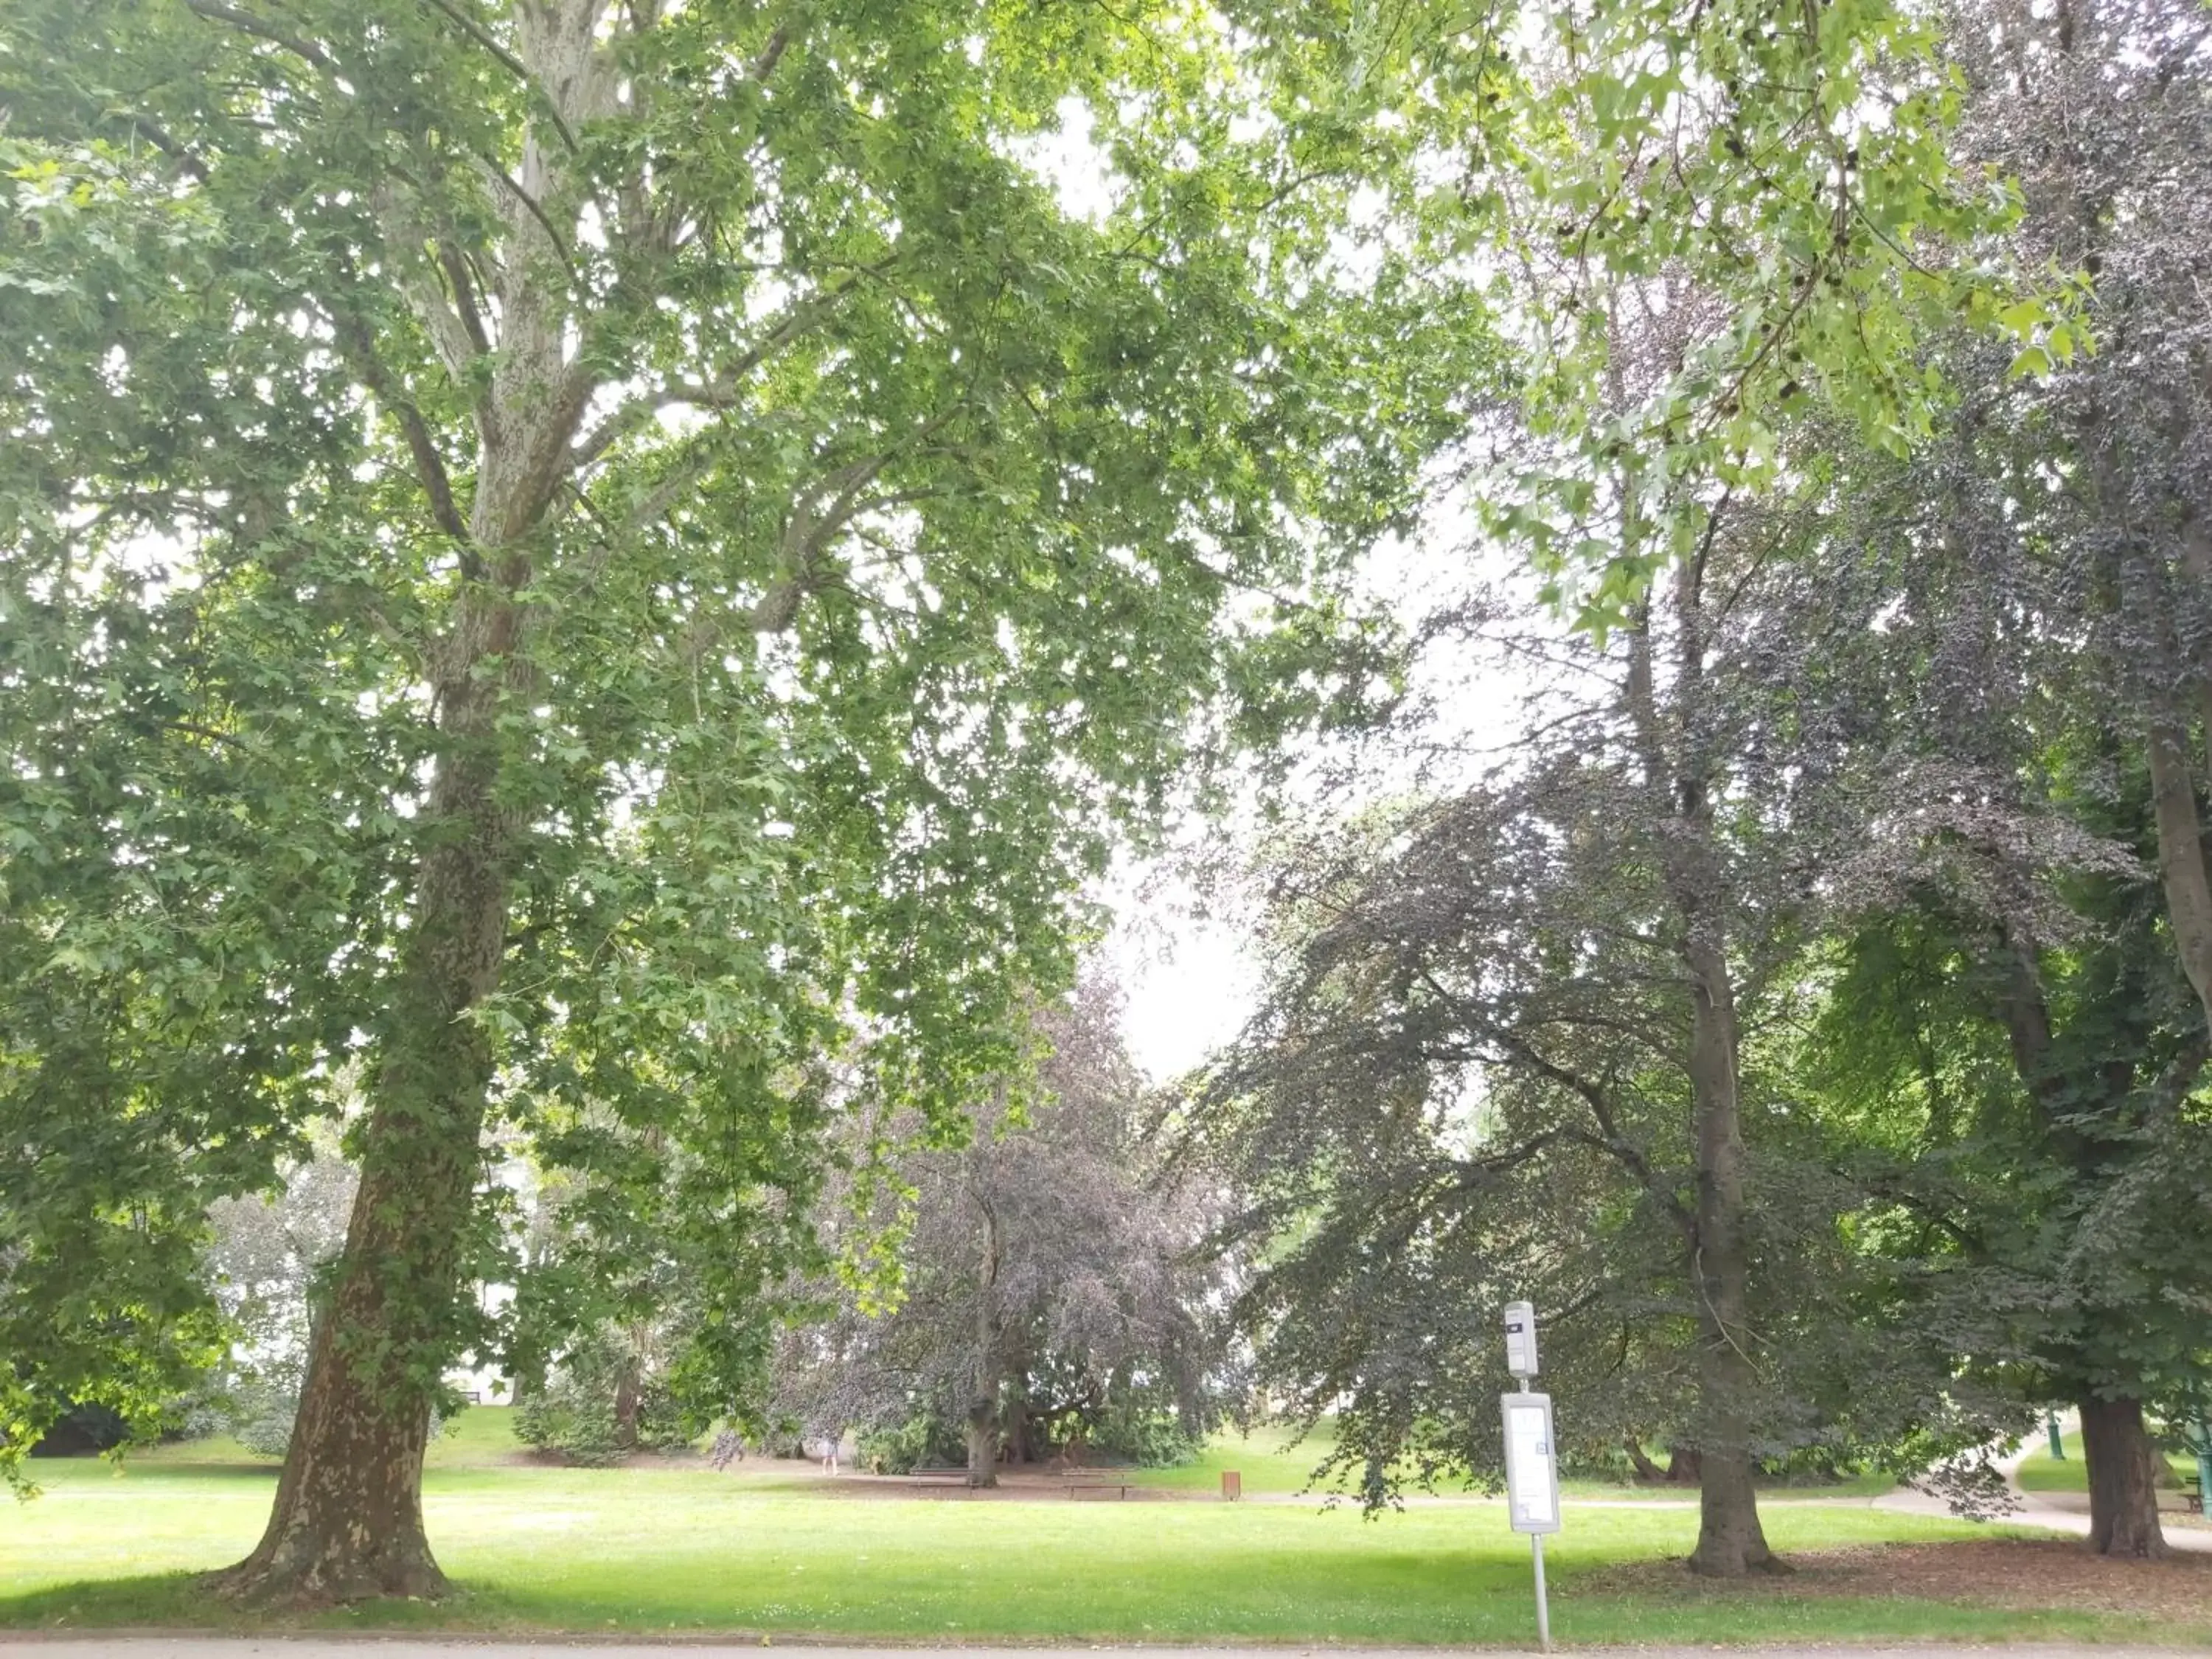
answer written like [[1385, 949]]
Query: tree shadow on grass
[[181, 1600]]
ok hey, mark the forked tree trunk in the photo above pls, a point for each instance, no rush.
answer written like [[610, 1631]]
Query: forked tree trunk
[[2123, 1497], [1683, 1468], [1646, 1471]]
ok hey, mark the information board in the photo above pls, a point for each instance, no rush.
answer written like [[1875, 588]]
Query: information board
[[1532, 1469]]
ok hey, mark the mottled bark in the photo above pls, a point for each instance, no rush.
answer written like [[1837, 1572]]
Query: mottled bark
[[2123, 1495], [348, 1520]]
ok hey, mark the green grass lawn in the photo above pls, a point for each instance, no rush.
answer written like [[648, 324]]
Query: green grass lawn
[[1272, 1459], [2040, 1472], [675, 1546]]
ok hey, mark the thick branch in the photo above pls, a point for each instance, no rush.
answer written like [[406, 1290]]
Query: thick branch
[[455, 329], [464, 295], [247, 23], [360, 350], [771, 55], [182, 155], [507, 60]]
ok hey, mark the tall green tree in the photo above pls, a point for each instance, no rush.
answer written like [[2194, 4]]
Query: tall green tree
[[570, 553], [2009, 1036], [1529, 1037], [1783, 183], [2035, 1002]]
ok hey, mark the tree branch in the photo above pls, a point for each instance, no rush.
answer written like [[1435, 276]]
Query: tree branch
[[507, 60], [247, 23], [360, 350], [725, 387], [181, 154]]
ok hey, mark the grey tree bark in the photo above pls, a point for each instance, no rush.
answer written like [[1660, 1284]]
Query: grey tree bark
[[1678, 774]]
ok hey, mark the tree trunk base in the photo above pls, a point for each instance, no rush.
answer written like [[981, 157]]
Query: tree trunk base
[[2123, 1490], [1731, 1542], [1736, 1563], [305, 1579]]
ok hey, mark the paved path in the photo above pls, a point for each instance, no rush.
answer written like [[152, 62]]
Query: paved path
[[237, 1647], [2056, 1511]]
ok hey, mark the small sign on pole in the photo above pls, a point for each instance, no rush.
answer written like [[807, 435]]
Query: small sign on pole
[[1520, 1340], [1532, 1464]]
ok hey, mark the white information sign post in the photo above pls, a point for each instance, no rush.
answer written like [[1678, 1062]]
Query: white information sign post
[[1532, 1464], [1532, 1472]]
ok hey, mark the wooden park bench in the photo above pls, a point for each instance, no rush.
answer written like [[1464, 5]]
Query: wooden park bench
[[1120, 1488], [944, 1474], [2192, 1503]]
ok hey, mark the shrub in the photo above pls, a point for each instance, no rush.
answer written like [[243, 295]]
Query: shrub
[[577, 1413], [900, 1450]]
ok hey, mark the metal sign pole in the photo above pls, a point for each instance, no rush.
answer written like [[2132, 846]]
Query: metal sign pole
[[1531, 1467], [2203, 1438], [1543, 1604]]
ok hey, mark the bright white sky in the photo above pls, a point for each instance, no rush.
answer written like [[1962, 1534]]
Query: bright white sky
[[1183, 958], [1190, 982]]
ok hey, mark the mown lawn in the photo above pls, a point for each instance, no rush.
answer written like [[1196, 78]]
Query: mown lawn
[[1272, 1459], [2039, 1471], [675, 1546]]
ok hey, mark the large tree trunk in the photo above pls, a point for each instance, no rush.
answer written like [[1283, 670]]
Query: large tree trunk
[[1679, 772], [2122, 1499], [348, 1520], [1730, 1541], [626, 1405]]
